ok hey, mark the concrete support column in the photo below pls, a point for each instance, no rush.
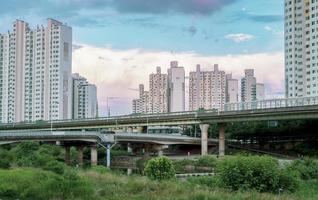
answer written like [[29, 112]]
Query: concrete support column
[[221, 139], [129, 149], [80, 155], [130, 129], [160, 152], [94, 156], [67, 155], [129, 171], [140, 129], [204, 138], [108, 155]]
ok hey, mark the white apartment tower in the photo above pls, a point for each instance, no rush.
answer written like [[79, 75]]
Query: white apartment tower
[[207, 89], [36, 72], [141, 105], [232, 94], [176, 84], [260, 91], [301, 48], [158, 89], [248, 86], [84, 98]]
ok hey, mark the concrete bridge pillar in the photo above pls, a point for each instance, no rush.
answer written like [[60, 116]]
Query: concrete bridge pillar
[[130, 129], [141, 129], [204, 138], [67, 155], [80, 155], [94, 156], [221, 139], [129, 149], [108, 155]]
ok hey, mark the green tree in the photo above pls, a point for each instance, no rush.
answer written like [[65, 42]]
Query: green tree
[[160, 168]]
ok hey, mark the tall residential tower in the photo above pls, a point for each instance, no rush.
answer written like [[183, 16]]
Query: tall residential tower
[[301, 48], [36, 67], [207, 89], [176, 84]]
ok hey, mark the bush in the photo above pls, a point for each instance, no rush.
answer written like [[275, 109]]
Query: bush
[[4, 163], [206, 161], [307, 169], [160, 168], [259, 173], [55, 166], [35, 184]]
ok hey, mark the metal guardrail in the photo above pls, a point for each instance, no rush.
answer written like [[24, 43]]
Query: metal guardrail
[[229, 107], [271, 103]]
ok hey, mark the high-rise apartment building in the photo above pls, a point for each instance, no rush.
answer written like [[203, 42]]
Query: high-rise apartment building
[[207, 89], [158, 92], [260, 91], [248, 86], [84, 98], [301, 48], [35, 73], [232, 94], [141, 105], [176, 84]]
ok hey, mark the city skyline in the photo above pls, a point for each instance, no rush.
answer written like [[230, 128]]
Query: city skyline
[[128, 59]]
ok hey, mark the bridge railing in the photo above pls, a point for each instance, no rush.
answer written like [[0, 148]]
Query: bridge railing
[[272, 103], [254, 105]]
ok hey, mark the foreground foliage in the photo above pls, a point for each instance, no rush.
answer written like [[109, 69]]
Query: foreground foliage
[[259, 173], [160, 168], [33, 184]]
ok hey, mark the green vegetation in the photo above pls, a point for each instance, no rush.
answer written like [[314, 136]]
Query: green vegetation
[[160, 168], [31, 171], [258, 173], [33, 184], [307, 169], [203, 164]]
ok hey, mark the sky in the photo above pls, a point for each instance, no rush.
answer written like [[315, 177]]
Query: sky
[[118, 43]]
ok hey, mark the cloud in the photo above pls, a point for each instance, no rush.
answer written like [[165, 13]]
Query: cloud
[[240, 37], [117, 72], [72, 8], [166, 6], [192, 30], [265, 18], [268, 28]]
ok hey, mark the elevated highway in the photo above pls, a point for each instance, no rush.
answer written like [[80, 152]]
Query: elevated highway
[[97, 137], [275, 109]]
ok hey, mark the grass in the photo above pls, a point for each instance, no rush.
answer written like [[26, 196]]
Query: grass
[[100, 183]]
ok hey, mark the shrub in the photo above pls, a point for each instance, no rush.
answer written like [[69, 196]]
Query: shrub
[[4, 163], [160, 168], [307, 169], [37, 184], [55, 166], [259, 173], [206, 161]]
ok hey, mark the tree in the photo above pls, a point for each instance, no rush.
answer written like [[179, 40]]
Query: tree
[[160, 168]]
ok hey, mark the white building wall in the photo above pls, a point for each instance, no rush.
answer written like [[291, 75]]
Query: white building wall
[[260, 91], [248, 86], [232, 93], [158, 89], [207, 89], [84, 98], [34, 61], [176, 82], [301, 48]]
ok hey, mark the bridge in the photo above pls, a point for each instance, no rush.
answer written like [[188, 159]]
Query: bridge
[[267, 110], [157, 141]]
